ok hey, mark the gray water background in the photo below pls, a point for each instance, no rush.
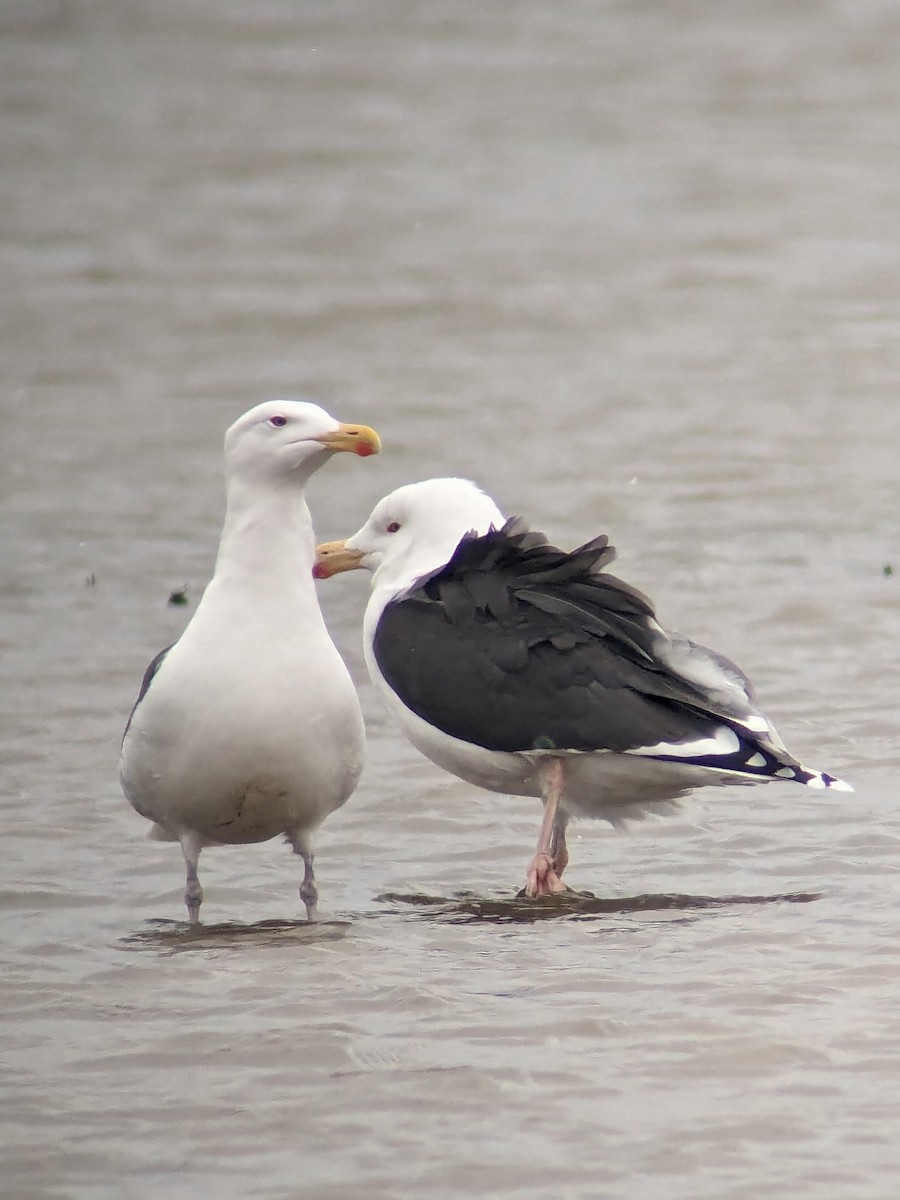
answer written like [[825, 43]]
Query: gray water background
[[636, 268]]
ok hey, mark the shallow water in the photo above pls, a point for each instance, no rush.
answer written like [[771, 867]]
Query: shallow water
[[634, 268]]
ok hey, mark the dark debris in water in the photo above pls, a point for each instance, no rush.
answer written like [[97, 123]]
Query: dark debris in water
[[179, 596], [179, 935], [468, 907]]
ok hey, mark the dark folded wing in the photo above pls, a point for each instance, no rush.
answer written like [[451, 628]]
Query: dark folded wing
[[516, 645]]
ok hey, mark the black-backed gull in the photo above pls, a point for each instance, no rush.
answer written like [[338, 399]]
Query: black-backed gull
[[529, 670]]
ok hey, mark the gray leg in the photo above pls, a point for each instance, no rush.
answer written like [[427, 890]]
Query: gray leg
[[309, 893], [193, 892]]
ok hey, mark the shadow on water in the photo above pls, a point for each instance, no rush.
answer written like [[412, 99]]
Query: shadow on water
[[465, 907], [179, 935], [160, 934]]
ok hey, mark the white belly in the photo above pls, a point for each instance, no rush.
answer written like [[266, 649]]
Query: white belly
[[603, 784], [247, 746]]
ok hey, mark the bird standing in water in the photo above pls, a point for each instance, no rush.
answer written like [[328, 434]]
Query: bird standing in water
[[249, 725], [527, 669]]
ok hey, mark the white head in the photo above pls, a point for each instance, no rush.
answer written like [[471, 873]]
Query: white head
[[289, 439], [412, 532]]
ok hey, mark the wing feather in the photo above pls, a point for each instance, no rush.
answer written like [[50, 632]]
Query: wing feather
[[516, 644]]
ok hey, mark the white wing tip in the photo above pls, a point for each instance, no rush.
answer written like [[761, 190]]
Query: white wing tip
[[818, 779]]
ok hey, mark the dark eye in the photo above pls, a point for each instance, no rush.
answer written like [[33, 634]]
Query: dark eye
[[278, 421], [392, 526]]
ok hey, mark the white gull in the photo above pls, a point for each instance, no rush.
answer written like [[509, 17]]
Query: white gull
[[249, 726]]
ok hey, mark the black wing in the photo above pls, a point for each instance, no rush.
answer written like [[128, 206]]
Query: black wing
[[516, 645], [155, 664]]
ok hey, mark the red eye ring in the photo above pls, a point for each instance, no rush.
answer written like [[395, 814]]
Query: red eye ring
[[392, 526], [278, 421]]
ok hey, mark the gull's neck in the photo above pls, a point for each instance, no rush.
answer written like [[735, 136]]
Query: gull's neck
[[267, 544]]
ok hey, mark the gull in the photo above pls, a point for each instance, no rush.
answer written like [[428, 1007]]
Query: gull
[[248, 726], [529, 670]]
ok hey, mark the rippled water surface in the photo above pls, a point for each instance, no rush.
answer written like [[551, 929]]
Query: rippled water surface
[[636, 268]]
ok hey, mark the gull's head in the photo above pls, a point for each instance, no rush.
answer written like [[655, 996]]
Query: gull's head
[[290, 439], [412, 532]]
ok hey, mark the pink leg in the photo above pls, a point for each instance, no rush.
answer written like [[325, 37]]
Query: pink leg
[[559, 851], [550, 857]]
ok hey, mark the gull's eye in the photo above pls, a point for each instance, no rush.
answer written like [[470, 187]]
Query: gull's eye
[[392, 526], [278, 421]]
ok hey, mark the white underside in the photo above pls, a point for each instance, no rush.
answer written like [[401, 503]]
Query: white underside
[[598, 784], [243, 736]]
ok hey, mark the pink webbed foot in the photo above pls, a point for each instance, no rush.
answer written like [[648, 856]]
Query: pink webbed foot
[[542, 878]]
